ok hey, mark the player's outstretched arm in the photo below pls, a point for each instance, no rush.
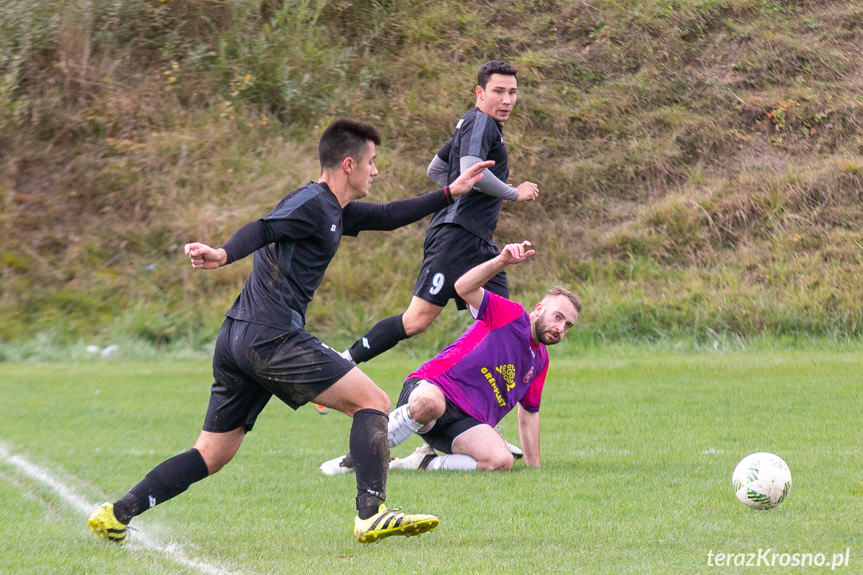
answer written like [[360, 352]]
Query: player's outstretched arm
[[469, 285], [528, 435], [358, 216], [244, 241], [203, 257]]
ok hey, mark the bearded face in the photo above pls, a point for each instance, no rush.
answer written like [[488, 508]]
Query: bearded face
[[552, 319], [546, 332]]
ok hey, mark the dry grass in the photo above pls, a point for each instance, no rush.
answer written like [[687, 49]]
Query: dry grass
[[707, 154]]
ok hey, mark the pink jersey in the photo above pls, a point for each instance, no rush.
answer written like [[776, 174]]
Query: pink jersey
[[493, 365]]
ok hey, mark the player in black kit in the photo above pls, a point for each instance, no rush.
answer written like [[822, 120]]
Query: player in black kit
[[263, 348], [459, 236]]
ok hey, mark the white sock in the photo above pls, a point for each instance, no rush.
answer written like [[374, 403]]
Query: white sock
[[453, 462], [401, 425]]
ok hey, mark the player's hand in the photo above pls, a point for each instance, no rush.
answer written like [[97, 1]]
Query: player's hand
[[527, 192], [469, 177], [516, 253], [203, 257]]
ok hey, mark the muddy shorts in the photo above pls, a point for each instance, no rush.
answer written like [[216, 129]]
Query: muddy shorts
[[253, 362]]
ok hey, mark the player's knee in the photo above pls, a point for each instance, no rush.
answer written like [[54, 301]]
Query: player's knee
[[214, 460], [377, 399], [416, 324], [506, 463], [417, 319], [496, 461], [216, 465], [217, 449], [425, 408], [354, 392]]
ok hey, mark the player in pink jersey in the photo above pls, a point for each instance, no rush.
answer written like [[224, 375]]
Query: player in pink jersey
[[455, 400]]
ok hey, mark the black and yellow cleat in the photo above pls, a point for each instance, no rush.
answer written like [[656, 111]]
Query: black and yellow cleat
[[105, 525], [388, 522]]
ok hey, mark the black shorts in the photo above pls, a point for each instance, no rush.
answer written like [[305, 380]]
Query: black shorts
[[449, 251], [253, 362], [447, 427]]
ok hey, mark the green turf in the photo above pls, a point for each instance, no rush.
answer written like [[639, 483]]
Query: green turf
[[638, 448]]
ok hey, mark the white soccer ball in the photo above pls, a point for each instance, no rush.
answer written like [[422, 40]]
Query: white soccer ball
[[761, 480]]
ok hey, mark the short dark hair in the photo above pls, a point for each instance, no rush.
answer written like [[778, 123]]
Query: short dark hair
[[494, 67], [560, 290], [345, 138]]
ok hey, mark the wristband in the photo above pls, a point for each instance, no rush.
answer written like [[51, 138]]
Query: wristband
[[448, 195]]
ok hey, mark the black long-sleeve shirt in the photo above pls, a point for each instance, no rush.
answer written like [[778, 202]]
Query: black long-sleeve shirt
[[480, 136], [294, 244]]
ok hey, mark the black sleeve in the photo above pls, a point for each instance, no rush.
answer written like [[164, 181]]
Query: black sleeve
[[443, 152], [253, 236], [360, 216]]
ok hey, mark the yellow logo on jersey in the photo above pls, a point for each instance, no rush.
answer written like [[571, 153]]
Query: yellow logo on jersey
[[493, 383], [507, 372]]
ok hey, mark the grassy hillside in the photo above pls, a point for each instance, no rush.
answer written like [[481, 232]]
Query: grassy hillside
[[700, 161]]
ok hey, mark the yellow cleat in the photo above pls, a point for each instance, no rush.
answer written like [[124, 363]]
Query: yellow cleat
[[388, 522], [105, 525]]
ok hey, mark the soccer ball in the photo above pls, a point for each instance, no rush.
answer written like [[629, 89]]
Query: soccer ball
[[761, 480]]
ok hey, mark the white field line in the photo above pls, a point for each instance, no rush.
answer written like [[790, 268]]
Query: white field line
[[172, 551]]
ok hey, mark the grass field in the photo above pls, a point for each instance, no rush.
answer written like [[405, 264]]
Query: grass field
[[638, 448]]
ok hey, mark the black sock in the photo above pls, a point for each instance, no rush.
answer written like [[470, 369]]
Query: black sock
[[171, 477], [384, 335], [370, 454]]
